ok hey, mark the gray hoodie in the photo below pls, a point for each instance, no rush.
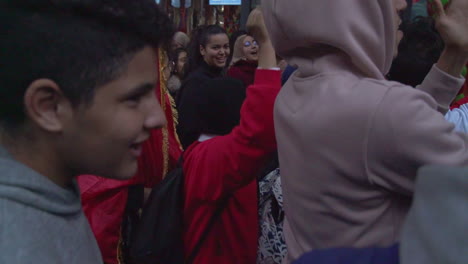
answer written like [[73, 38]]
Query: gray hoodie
[[436, 229], [41, 222]]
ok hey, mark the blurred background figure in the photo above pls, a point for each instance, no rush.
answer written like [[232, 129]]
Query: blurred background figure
[[208, 53], [232, 41], [245, 60], [180, 40], [177, 61]]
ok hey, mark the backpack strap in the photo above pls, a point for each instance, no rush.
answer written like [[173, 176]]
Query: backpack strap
[[180, 162]]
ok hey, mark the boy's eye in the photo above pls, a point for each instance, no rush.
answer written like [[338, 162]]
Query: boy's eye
[[135, 97], [134, 100]]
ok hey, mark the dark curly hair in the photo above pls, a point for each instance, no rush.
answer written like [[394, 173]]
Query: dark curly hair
[[419, 49], [79, 44]]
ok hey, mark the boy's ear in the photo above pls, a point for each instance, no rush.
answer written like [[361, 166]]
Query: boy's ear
[[46, 105]]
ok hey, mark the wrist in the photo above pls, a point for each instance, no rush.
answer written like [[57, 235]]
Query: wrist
[[265, 43], [455, 50], [452, 61], [267, 56]]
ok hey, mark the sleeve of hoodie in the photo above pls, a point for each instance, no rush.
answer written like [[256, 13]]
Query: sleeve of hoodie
[[408, 131], [226, 163], [442, 87]]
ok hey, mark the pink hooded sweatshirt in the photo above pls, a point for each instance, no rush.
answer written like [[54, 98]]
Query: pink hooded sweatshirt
[[350, 142]]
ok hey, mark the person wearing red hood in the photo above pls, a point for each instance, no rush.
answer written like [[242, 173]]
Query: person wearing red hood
[[351, 142]]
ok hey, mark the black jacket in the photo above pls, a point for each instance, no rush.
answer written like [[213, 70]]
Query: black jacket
[[208, 103]]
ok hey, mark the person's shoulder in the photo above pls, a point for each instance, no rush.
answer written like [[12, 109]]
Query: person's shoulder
[[394, 92], [245, 65], [233, 69], [15, 221], [199, 73], [195, 79]]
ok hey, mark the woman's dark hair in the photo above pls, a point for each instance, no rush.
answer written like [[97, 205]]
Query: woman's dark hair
[[174, 58], [200, 37], [419, 49]]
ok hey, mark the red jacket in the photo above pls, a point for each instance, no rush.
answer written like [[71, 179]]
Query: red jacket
[[243, 70], [227, 166]]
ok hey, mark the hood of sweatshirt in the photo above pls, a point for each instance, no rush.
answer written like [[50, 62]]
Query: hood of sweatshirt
[[303, 31], [23, 185]]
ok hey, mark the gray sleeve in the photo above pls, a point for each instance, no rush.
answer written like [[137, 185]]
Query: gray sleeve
[[436, 228]]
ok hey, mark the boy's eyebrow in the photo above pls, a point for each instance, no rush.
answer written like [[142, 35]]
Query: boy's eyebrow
[[141, 89]]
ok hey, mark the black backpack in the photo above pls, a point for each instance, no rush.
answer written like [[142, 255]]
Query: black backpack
[[157, 238]]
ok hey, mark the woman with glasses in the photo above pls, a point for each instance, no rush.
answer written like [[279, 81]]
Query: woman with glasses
[[244, 60]]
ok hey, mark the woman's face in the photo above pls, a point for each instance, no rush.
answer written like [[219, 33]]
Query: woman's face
[[250, 48], [181, 60], [216, 50]]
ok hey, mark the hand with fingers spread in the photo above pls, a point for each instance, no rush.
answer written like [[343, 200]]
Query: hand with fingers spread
[[452, 24]]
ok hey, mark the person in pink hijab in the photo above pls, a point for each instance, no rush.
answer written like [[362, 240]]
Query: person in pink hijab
[[350, 142]]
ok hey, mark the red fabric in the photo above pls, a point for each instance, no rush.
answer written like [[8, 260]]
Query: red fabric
[[464, 100], [243, 70], [227, 166], [104, 200]]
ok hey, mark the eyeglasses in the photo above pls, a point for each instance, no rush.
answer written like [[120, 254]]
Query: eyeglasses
[[248, 43]]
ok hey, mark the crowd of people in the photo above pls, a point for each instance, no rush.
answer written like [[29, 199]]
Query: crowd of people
[[326, 132]]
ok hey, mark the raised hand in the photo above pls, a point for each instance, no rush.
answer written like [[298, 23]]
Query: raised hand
[[256, 26], [452, 24], [257, 29]]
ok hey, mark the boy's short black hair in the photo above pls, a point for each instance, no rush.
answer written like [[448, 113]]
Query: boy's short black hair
[[79, 44]]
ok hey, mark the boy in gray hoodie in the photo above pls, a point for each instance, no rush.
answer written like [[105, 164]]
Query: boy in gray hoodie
[[76, 89]]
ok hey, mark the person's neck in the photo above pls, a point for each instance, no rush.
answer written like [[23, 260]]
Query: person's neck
[[215, 70], [40, 157]]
